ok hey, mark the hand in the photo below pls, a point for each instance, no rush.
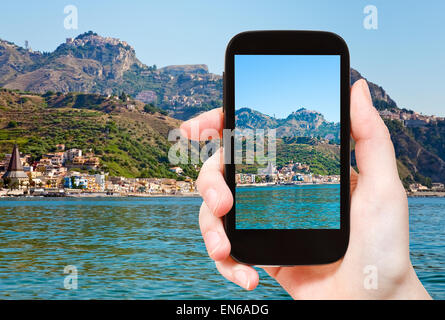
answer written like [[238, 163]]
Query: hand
[[379, 219]]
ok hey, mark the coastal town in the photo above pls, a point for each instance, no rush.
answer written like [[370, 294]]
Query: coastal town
[[300, 174], [291, 173], [73, 173]]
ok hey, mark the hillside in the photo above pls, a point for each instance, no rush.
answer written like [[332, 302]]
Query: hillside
[[91, 63], [420, 150], [379, 96], [128, 141], [303, 136], [322, 157], [300, 123], [94, 64]]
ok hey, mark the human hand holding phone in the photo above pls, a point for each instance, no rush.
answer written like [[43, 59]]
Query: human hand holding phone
[[379, 230]]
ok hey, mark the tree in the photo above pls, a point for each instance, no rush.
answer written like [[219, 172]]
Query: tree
[[14, 185], [6, 182], [48, 94], [12, 124], [150, 108], [428, 182], [123, 96]]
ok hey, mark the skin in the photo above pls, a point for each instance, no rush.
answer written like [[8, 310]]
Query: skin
[[379, 219]]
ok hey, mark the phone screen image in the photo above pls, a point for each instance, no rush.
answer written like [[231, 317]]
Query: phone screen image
[[290, 106]]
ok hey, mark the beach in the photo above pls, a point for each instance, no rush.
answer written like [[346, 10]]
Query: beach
[[423, 194]]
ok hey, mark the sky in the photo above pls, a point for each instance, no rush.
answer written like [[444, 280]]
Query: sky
[[277, 85], [405, 54]]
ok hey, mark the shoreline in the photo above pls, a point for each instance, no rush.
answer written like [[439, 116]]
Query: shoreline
[[270, 184], [104, 196], [426, 194], [410, 194]]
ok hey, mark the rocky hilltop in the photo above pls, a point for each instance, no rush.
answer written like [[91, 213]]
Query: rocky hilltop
[[77, 65], [15, 60], [300, 123], [379, 96], [94, 64]]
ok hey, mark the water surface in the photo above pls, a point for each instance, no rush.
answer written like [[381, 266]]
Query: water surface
[[309, 206], [150, 248]]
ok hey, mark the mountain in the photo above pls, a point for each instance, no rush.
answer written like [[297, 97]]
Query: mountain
[[15, 60], [94, 64], [420, 149], [80, 64], [128, 141], [246, 118], [300, 123], [379, 96], [303, 136], [90, 63]]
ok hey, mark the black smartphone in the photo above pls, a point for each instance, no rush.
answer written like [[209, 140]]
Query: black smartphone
[[286, 147]]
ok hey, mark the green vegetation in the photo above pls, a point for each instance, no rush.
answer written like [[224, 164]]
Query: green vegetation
[[151, 108], [12, 124], [420, 152], [86, 34], [323, 159], [382, 105], [129, 144]]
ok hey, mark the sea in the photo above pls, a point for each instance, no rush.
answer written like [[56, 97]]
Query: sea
[[315, 206], [150, 248]]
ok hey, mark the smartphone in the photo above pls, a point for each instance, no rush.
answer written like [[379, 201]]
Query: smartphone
[[286, 147]]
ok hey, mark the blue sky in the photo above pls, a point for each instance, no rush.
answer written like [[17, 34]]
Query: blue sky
[[280, 84], [405, 55]]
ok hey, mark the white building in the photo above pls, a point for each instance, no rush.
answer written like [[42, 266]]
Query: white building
[[176, 170], [100, 181], [73, 153]]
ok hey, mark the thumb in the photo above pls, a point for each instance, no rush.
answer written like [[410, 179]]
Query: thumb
[[374, 150]]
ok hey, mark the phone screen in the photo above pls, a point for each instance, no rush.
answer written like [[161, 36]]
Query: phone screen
[[287, 118]]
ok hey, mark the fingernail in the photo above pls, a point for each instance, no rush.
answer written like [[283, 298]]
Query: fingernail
[[212, 200], [366, 91], [213, 241], [242, 279]]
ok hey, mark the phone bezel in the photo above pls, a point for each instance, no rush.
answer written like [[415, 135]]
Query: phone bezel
[[287, 247]]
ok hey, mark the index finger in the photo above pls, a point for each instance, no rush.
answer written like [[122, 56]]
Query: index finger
[[213, 119], [213, 187]]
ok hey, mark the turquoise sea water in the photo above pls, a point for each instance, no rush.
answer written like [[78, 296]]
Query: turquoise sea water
[[150, 248], [288, 207]]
